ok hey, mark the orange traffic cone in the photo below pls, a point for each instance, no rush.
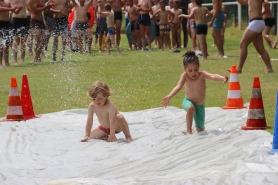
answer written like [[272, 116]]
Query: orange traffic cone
[[26, 100], [256, 116], [234, 98], [14, 110]]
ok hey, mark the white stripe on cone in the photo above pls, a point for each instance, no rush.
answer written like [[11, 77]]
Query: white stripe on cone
[[14, 110], [233, 78], [255, 114], [234, 94], [14, 91], [256, 93]]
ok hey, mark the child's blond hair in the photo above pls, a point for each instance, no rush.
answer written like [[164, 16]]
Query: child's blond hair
[[97, 87]]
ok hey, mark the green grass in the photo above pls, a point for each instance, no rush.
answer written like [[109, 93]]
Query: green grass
[[138, 80]]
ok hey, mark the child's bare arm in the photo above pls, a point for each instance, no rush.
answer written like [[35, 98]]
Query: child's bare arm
[[190, 16], [171, 15], [165, 101], [112, 119], [74, 3], [215, 77], [89, 123], [155, 14], [89, 3], [18, 9], [210, 13], [103, 13]]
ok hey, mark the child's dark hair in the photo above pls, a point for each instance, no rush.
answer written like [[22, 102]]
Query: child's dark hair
[[199, 2], [162, 1], [97, 87], [176, 1], [107, 7], [190, 58]]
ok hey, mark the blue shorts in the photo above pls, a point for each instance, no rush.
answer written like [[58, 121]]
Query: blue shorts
[[199, 115], [111, 31], [218, 22], [192, 24]]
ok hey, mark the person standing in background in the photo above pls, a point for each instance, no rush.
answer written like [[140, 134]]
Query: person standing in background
[[183, 5], [20, 25]]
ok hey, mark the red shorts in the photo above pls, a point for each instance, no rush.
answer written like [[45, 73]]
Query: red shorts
[[106, 130]]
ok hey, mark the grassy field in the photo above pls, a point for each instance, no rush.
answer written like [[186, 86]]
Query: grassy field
[[138, 80]]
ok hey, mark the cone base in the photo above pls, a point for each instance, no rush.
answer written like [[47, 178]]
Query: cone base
[[227, 107], [273, 151], [30, 117], [254, 128], [10, 120]]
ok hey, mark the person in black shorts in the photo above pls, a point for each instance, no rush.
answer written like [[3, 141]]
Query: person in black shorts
[[20, 26], [6, 36], [269, 21], [61, 11], [144, 7]]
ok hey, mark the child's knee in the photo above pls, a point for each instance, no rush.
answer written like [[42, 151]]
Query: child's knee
[[119, 117], [190, 110]]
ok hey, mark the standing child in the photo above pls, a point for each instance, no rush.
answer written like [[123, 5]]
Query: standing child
[[82, 24], [176, 26], [199, 13], [195, 91], [224, 25], [144, 8], [111, 121], [20, 25], [6, 29], [134, 25], [165, 17], [222, 33], [110, 27], [156, 7], [269, 21], [192, 26]]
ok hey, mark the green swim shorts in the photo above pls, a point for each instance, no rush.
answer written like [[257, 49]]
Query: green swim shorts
[[199, 115]]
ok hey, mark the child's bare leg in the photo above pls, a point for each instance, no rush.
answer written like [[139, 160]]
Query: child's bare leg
[[203, 44], [167, 35], [112, 39], [97, 133], [193, 37], [100, 41], [138, 40], [89, 39], [23, 48], [124, 127], [161, 40], [6, 55], [189, 119], [30, 44], [143, 37], [16, 41], [36, 36], [54, 47], [79, 41], [173, 32], [64, 45], [107, 44], [178, 36]]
